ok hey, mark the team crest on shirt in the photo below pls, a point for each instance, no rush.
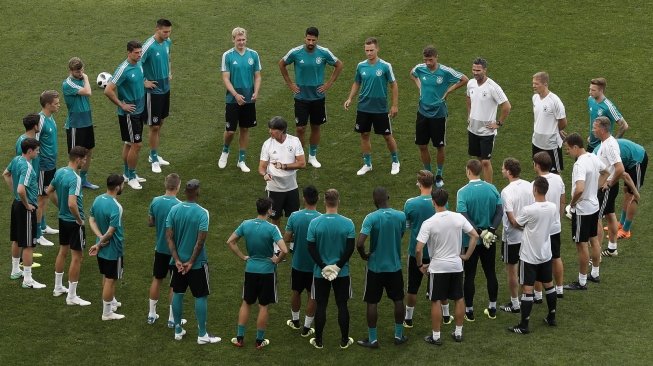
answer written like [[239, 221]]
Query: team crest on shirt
[[484, 93], [290, 149], [379, 72], [439, 80], [250, 61], [546, 109], [318, 60]]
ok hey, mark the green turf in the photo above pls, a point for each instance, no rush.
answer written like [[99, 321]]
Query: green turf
[[573, 41]]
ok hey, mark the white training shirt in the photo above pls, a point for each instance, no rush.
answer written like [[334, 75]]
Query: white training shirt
[[546, 112], [610, 154], [443, 234], [285, 153], [556, 189], [517, 195], [484, 102], [537, 220], [587, 168]]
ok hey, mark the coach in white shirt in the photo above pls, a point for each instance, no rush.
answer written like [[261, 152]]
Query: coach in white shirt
[[549, 120]]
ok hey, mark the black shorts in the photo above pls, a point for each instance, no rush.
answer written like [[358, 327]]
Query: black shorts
[[131, 127], [157, 107], [430, 129], [243, 116], [380, 121], [83, 136], [196, 279], [556, 158], [161, 266], [555, 245], [637, 174], [375, 282], [607, 199], [583, 227], [300, 280], [72, 235], [284, 203], [45, 178], [415, 276], [310, 110], [261, 287], [22, 226], [480, 146], [341, 289], [512, 255], [443, 286], [529, 273], [111, 269]]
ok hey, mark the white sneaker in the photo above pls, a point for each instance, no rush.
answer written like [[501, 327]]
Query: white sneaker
[[243, 167], [207, 338], [115, 305], [112, 316], [58, 291], [395, 168], [159, 159], [366, 168], [151, 318], [141, 180], [179, 336], [44, 242], [50, 231], [33, 284], [16, 275], [156, 168], [134, 184], [222, 163], [77, 301], [171, 323], [313, 161]]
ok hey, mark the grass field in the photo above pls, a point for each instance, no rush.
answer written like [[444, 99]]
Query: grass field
[[573, 41]]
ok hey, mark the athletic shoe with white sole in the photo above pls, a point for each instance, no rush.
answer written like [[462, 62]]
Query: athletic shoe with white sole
[[171, 323], [50, 231], [58, 291], [509, 308], [33, 284], [77, 301], [133, 183], [151, 318], [156, 167], [207, 339], [395, 168], [159, 159], [608, 253], [575, 286], [179, 336], [344, 344], [222, 162], [447, 319], [89, 185], [313, 161], [44, 242], [243, 167], [439, 182], [16, 275], [112, 316], [293, 324], [307, 332], [518, 329], [237, 342], [260, 343], [366, 168], [315, 343]]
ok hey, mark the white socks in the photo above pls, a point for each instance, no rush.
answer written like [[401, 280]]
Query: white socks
[[153, 306]]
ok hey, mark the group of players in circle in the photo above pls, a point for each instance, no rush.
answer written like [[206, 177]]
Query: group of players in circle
[[323, 243]]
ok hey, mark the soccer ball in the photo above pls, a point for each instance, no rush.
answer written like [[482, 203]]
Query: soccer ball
[[103, 79], [568, 211]]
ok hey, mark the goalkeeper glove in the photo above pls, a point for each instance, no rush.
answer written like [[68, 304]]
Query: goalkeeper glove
[[488, 237], [326, 272], [332, 272]]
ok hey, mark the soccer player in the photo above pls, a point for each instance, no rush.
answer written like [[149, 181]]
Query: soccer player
[[555, 194], [301, 277], [281, 155], [610, 155], [106, 222], [599, 105], [434, 82], [635, 160], [537, 221], [241, 75], [65, 190], [442, 233], [187, 226], [126, 89], [22, 178], [79, 124], [159, 209], [157, 68], [331, 239], [385, 227], [309, 88], [260, 269], [588, 171], [483, 97], [372, 77], [49, 148], [550, 119], [515, 196], [480, 203]]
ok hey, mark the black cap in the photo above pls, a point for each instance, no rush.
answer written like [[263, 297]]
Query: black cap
[[192, 184]]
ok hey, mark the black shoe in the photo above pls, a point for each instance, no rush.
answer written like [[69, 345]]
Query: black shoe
[[447, 319], [457, 338], [518, 329], [537, 301], [575, 286], [429, 339], [400, 341], [469, 316], [490, 312], [439, 182], [508, 308], [408, 323], [560, 296], [367, 344], [591, 278], [294, 324], [550, 321], [307, 332]]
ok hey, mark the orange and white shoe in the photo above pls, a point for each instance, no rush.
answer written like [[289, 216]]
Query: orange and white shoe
[[622, 234]]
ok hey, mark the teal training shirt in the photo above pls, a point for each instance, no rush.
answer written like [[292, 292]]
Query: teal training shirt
[[631, 153], [129, 81], [384, 227], [187, 220], [159, 209], [373, 80], [156, 64], [67, 182], [434, 85], [309, 69], [260, 236], [107, 213], [79, 106], [19, 151], [604, 108], [298, 224], [479, 200], [241, 69], [330, 232], [22, 172], [417, 210], [47, 137]]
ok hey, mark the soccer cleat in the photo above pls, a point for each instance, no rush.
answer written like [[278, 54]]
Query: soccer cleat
[[619, 227], [314, 343], [37, 255], [622, 234], [179, 336], [469, 316], [439, 182], [114, 316], [32, 284], [77, 301], [171, 323], [429, 339], [293, 324], [575, 286], [156, 167], [447, 319], [50, 231], [237, 342], [58, 291], [508, 308], [400, 340], [366, 168], [222, 162], [395, 168], [518, 329], [550, 321], [260, 343], [459, 337], [591, 278], [490, 312], [408, 323], [151, 318], [307, 332], [34, 265], [313, 161], [243, 167], [367, 344], [159, 159], [16, 275], [208, 339], [345, 343], [134, 184], [608, 253], [89, 185], [44, 242], [538, 301]]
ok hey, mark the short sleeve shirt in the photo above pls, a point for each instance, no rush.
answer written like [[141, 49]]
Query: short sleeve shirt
[[373, 80], [309, 70], [484, 102], [241, 69], [285, 152], [330, 232], [260, 236], [385, 227], [159, 209]]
